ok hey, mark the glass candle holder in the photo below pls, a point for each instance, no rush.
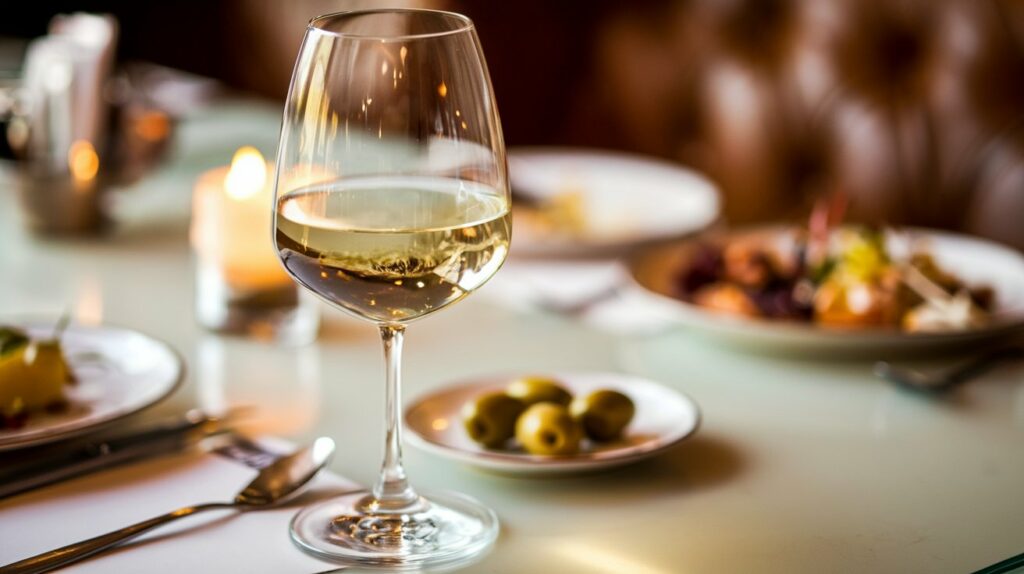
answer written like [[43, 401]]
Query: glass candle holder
[[65, 200], [241, 288]]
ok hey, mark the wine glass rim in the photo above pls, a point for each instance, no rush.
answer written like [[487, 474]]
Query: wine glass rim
[[317, 24]]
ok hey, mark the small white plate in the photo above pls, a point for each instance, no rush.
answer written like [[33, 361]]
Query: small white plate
[[663, 418], [627, 199], [119, 372], [976, 261]]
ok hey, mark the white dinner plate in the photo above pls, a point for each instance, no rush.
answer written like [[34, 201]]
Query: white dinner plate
[[975, 261], [627, 199], [118, 371], [663, 418]]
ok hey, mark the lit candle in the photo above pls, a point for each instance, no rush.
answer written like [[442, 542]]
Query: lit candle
[[231, 212]]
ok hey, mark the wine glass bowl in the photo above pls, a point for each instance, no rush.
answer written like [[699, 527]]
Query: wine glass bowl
[[392, 202], [392, 249]]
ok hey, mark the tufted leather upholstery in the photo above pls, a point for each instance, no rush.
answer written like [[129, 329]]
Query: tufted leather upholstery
[[915, 108]]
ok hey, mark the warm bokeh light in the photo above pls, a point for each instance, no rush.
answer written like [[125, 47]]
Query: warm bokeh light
[[153, 126], [88, 309], [248, 173], [83, 161], [597, 558]]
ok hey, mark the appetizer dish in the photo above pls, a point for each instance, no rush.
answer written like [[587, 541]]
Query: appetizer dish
[[33, 376], [845, 277], [540, 416], [561, 423]]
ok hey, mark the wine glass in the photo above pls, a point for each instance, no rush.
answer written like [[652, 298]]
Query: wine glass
[[391, 203]]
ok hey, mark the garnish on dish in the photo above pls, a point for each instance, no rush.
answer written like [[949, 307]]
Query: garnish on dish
[[540, 416], [33, 376], [836, 276], [561, 215]]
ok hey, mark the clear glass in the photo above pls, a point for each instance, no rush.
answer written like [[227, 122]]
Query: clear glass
[[392, 202]]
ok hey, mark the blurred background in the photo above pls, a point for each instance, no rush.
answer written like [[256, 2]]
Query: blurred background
[[914, 109]]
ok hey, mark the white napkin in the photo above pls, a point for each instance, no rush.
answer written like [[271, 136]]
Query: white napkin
[[213, 541], [598, 292]]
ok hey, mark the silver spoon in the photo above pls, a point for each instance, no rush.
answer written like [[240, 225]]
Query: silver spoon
[[271, 486]]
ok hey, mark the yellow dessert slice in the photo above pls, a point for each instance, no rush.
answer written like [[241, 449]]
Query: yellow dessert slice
[[32, 374]]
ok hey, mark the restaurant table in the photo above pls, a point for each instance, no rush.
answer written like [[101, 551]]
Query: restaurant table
[[800, 465]]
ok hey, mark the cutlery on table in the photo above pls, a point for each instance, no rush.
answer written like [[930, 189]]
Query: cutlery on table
[[57, 464], [581, 306], [272, 485], [1008, 566], [946, 380]]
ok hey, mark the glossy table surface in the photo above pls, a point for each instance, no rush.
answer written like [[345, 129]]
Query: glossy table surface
[[801, 464]]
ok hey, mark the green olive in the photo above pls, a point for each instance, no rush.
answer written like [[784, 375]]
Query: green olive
[[603, 414], [490, 419], [533, 390], [547, 428]]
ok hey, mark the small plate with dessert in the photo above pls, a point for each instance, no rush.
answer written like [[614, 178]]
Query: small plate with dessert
[[59, 382]]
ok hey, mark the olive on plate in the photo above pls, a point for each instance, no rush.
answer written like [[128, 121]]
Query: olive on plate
[[490, 419], [533, 390], [603, 414], [547, 428]]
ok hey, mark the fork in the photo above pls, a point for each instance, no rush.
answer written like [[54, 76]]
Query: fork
[[943, 381]]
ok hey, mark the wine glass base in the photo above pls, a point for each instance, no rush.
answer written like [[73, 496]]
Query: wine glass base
[[451, 531]]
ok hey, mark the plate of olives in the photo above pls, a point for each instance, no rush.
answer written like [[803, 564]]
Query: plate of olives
[[60, 382], [569, 422]]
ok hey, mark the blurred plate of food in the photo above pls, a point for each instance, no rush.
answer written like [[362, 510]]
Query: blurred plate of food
[[852, 289], [551, 424], [56, 383], [570, 201]]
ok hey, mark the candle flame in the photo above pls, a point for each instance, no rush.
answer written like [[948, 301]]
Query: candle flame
[[83, 162], [248, 173]]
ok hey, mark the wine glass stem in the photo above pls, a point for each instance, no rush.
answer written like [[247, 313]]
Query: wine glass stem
[[392, 492]]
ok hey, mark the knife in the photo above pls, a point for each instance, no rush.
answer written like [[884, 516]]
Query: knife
[[61, 464]]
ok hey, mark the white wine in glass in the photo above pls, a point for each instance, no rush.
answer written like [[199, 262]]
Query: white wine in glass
[[392, 202], [393, 249]]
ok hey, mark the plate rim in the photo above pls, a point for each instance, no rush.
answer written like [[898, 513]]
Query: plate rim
[[539, 464], [585, 246], [46, 436], [691, 315]]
